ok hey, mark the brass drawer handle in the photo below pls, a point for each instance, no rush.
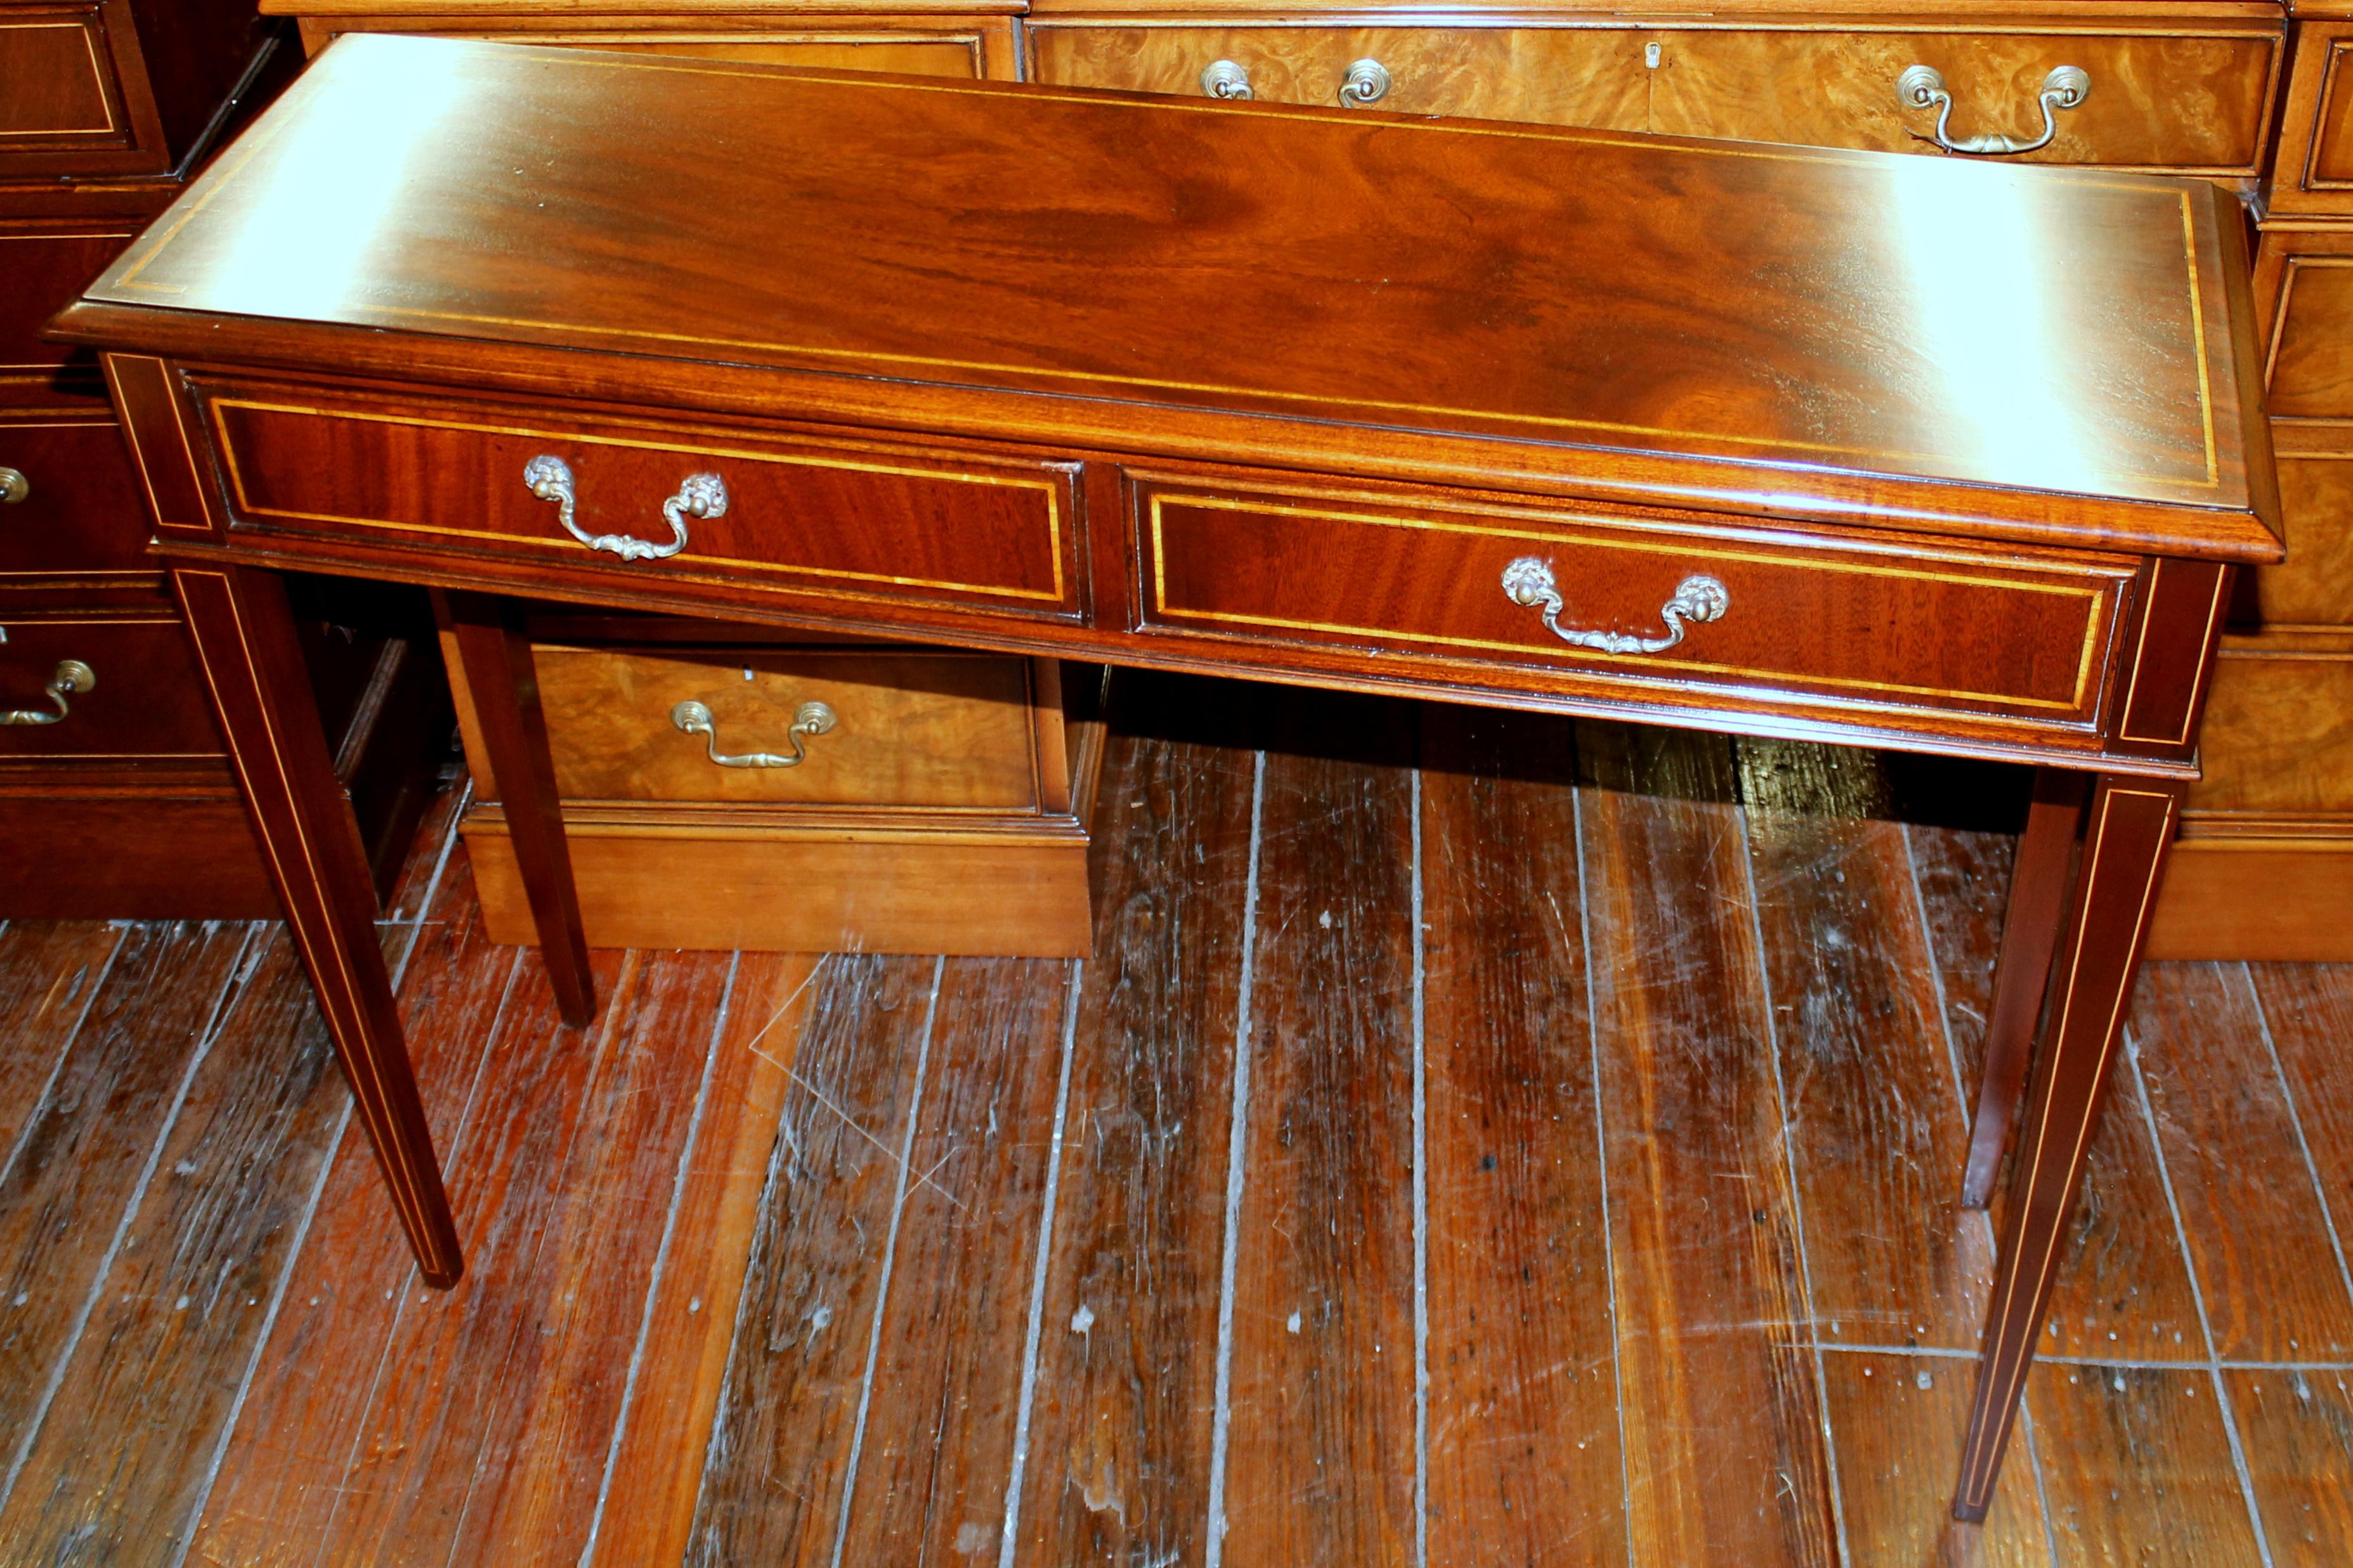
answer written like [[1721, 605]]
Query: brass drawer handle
[[70, 676], [1368, 82], [14, 485], [1223, 78], [1529, 581], [1923, 86], [701, 495], [809, 719]]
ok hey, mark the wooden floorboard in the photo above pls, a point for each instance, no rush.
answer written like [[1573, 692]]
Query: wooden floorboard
[[1124, 1402], [1721, 1408], [1634, 1146], [1525, 1466], [1320, 1453]]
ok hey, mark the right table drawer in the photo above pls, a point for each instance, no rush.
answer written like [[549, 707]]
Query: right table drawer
[[2188, 97]]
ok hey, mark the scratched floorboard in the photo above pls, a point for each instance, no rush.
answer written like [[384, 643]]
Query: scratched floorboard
[[755, 1269]]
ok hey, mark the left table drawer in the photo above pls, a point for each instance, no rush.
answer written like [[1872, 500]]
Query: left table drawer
[[127, 687]]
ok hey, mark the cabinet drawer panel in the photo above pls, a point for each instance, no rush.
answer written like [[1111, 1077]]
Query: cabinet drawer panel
[[147, 699], [2315, 172], [56, 83], [1562, 76], [1909, 626], [849, 522], [2157, 100], [2278, 738], [912, 729], [82, 512], [2315, 586], [2312, 347], [43, 269], [904, 48]]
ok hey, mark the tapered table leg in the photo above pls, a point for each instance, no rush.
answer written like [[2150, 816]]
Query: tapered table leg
[[2030, 936], [495, 663], [244, 640], [2124, 843]]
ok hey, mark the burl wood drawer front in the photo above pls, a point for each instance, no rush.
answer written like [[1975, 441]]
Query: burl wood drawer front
[[1909, 627], [2315, 586], [2314, 171], [79, 511], [143, 698], [57, 93], [909, 729], [845, 523], [2277, 746], [903, 46], [2307, 279], [2174, 100]]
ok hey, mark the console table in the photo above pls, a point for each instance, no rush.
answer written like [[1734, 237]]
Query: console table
[[1842, 445]]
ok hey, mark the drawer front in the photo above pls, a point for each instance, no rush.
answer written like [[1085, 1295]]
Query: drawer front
[[838, 522], [1558, 76], [81, 513], [904, 46], [146, 698], [2278, 745], [2308, 278], [2314, 171], [906, 728], [43, 269], [1901, 626], [2315, 586], [57, 89], [2169, 100]]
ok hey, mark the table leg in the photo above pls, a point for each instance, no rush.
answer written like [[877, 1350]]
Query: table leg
[[245, 641], [2030, 937], [494, 661], [2130, 827]]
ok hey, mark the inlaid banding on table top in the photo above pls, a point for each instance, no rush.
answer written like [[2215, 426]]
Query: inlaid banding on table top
[[99, 80], [1675, 552], [527, 526], [2142, 394]]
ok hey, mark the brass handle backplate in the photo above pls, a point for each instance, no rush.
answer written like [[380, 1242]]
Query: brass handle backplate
[[1528, 581], [701, 495], [14, 485], [1923, 86], [1368, 82], [1223, 78], [71, 678], [809, 719]]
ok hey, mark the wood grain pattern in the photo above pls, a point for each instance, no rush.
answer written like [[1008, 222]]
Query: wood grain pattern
[[2298, 1430], [1320, 1460], [50, 975], [1524, 1461], [1874, 1124], [1121, 1433], [1704, 1224], [781, 1449], [656, 1469], [937, 1461], [1896, 1421], [2287, 899], [2311, 367], [2315, 586], [2142, 1443], [2279, 729], [79, 1163], [203, 1253], [2314, 172], [2124, 1288], [2262, 1248], [283, 1469]]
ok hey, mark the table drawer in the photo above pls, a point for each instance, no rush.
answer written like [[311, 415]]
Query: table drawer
[[2175, 99], [904, 728], [58, 89], [80, 511], [840, 523], [145, 697], [1899, 625]]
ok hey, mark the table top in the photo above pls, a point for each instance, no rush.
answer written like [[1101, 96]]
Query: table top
[[1901, 336]]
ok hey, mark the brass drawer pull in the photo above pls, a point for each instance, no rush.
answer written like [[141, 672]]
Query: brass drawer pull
[[71, 676], [1923, 86], [1529, 581], [1366, 81], [1223, 78], [701, 495], [14, 485], [809, 719]]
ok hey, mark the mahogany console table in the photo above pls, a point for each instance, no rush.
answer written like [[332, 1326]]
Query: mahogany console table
[[1862, 448]]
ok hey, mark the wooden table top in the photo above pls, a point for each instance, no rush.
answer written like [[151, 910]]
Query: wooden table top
[[1807, 330]]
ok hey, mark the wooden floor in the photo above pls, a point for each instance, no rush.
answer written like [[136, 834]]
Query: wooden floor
[[1476, 1140]]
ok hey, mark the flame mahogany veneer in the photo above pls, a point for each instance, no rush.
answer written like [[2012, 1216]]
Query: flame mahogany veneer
[[1949, 458]]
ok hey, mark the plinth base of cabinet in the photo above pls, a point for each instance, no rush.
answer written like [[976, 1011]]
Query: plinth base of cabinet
[[2288, 900], [1025, 900], [137, 858]]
